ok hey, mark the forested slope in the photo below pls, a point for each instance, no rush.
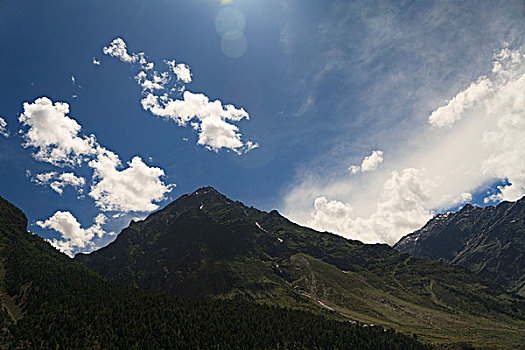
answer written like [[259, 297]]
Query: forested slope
[[49, 301]]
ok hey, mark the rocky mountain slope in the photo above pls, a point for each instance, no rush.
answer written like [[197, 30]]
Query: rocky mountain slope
[[205, 244], [48, 301], [489, 241]]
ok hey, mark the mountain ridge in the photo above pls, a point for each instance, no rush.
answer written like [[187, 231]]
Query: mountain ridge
[[489, 241], [49, 301], [205, 244]]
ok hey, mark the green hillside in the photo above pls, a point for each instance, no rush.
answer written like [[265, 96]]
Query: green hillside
[[205, 244], [48, 301]]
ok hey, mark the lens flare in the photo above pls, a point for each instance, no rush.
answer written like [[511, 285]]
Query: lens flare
[[230, 23], [234, 48]]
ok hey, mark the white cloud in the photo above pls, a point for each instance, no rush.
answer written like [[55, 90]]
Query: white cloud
[[462, 198], [192, 106], [59, 141], [181, 70], [369, 163], [3, 128], [250, 145], [57, 181], [165, 95], [437, 169], [74, 237], [157, 83], [134, 188], [214, 131], [118, 49], [54, 134], [399, 210], [462, 102], [354, 169], [96, 62]]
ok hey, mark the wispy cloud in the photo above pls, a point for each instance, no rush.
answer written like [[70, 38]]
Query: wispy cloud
[[480, 143], [401, 72]]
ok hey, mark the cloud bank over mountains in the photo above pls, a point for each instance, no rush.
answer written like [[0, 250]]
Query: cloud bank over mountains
[[165, 95], [471, 142]]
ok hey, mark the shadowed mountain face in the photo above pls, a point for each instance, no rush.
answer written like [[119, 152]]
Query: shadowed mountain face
[[48, 301], [489, 241], [205, 244]]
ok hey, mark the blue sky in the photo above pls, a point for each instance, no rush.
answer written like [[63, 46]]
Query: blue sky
[[318, 86]]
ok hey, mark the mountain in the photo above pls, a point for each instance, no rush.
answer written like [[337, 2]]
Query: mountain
[[48, 301], [489, 241], [205, 244]]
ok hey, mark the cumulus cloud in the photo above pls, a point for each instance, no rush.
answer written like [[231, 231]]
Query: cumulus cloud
[[216, 133], [192, 106], [117, 48], [156, 82], [400, 209], [134, 188], [369, 163], [55, 136], [3, 128], [165, 95], [96, 62], [58, 140], [471, 142], [211, 119], [74, 237], [57, 181], [181, 70], [354, 169]]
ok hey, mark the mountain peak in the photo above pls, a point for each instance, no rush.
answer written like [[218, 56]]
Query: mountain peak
[[204, 195], [468, 207], [206, 191]]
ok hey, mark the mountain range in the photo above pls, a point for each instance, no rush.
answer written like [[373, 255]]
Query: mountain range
[[489, 241], [48, 301], [207, 245]]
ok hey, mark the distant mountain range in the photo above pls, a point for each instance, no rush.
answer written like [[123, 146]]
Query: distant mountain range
[[205, 244], [48, 301], [489, 241]]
